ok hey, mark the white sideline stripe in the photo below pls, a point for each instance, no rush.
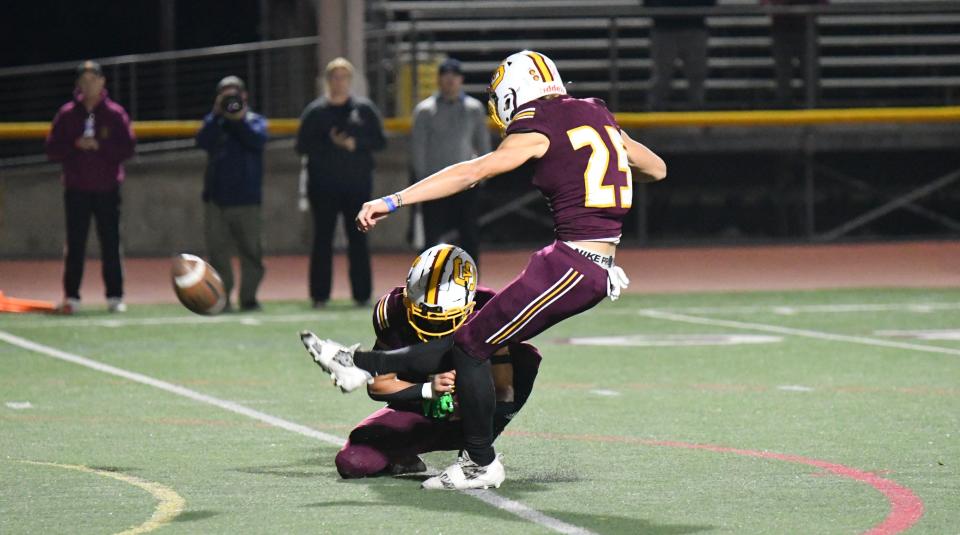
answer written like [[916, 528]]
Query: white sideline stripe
[[526, 513], [172, 388], [37, 322], [486, 496], [178, 320], [786, 310], [820, 335]]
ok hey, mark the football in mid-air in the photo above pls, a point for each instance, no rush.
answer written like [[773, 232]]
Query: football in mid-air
[[197, 285]]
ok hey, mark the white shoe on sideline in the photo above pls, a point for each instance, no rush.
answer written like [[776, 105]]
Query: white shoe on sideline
[[466, 474], [337, 360], [69, 306], [116, 304]]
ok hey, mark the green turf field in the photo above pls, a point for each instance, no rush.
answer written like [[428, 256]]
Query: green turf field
[[831, 417]]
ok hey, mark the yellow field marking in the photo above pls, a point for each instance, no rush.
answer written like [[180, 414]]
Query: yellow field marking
[[170, 506], [401, 125]]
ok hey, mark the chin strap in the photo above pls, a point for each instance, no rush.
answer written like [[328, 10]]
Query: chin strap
[[616, 281]]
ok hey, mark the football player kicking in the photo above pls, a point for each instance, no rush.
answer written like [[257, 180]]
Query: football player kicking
[[583, 168], [441, 292]]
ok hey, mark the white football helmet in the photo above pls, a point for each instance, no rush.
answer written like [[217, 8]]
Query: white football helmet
[[522, 77], [441, 287]]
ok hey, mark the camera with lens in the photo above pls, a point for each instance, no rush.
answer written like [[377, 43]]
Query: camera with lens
[[231, 104]]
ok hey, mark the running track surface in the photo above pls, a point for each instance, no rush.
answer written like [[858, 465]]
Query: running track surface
[[795, 267]]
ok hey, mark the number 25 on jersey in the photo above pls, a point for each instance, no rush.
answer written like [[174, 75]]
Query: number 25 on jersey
[[598, 194]]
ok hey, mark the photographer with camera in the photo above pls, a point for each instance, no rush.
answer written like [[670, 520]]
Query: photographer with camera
[[234, 138]]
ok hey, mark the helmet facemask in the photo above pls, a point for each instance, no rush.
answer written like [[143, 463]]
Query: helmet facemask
[[440, 291], [432, 322]]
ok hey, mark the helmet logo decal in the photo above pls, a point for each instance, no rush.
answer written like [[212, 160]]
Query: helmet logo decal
[[497, 78], [541, 66], [464, 274]]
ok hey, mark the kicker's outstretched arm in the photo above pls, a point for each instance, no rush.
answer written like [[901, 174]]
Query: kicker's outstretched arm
[[513, 152]]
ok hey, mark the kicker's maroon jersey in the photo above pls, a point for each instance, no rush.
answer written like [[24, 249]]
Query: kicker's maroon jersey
[[584, 175]]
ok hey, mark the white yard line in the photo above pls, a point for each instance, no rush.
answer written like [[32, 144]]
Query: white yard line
[[807, 333], [33, 322], [486, 496], [242, 319], [789, 310]]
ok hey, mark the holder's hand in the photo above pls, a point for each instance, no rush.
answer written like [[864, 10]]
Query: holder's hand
[[444, 382]]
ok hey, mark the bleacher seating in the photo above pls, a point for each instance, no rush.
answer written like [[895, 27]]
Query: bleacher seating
[[866, 59]]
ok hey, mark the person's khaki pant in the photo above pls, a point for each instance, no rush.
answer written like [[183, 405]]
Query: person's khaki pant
[[229, 228]]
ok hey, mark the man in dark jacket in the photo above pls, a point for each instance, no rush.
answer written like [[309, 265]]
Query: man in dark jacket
[[234, 137], [682, 37], [339, 133], [91, 136]]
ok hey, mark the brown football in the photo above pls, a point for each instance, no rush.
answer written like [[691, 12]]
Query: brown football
[[197, 285]]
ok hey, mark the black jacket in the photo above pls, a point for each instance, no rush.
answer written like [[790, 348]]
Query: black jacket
[[359, 118]]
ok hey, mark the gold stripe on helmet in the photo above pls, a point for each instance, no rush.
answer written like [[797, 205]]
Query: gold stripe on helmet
[[433, 288], [541, 66]]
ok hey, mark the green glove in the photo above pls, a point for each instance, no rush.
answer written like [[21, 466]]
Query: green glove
[[439, 408]]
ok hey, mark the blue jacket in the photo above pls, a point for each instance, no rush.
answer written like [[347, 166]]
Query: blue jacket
[[234, 173]]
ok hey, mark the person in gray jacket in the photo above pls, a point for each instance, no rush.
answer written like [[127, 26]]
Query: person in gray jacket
[[449, 127]]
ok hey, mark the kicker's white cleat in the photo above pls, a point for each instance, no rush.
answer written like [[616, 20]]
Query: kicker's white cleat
[[466, 474], [337, 360]]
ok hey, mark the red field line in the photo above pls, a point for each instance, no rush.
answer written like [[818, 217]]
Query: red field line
[[905, 507]]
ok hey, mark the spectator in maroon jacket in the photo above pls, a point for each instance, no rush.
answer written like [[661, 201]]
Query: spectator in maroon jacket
[[789, 36], [91, 136]]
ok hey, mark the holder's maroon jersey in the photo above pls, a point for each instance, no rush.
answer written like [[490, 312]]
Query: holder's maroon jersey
[[584, 175]]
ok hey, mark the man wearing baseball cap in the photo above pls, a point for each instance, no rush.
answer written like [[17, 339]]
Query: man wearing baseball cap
[[449, 127], [91, 136]]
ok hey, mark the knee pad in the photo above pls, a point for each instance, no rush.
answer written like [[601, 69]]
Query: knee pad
[[359, 461]]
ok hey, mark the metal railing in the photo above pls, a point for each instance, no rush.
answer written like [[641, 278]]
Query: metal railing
[[172, 85]]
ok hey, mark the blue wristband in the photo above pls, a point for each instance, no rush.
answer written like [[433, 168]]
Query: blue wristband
[[392, 206]]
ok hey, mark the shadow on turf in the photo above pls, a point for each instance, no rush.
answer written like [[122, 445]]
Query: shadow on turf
[[289, 469], [118, 469], [404, 491], [393, 494], [192, 516]]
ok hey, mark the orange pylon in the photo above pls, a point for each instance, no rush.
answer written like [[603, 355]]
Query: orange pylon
[[12, 304]]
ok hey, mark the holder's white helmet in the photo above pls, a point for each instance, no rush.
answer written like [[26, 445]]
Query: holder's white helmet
[[522, 77], [441, 287]]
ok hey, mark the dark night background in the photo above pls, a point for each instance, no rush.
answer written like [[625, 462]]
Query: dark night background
[[41, 31]]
